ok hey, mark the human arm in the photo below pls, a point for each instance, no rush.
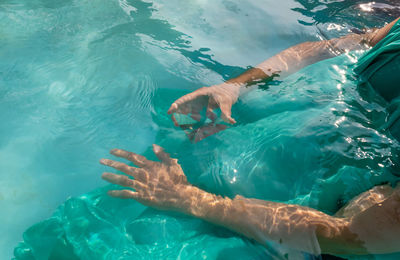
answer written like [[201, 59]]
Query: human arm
[[224, 95], [163, 185]]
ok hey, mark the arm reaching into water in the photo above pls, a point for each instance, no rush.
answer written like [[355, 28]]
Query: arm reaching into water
[[223, 96], [363, 229]]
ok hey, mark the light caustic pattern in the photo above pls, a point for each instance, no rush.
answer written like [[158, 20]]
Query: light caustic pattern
[[81, 77]]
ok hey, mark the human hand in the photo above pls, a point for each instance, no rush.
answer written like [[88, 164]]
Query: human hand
[[161, 185], [221, 96], [196, 135]]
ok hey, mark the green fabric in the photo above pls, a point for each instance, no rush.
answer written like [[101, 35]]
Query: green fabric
[[379, 68], [379, 56], [314, 144]]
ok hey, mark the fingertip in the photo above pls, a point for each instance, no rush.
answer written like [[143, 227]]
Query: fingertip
[[103, 161], [157, 148], [114, 151], [105, 175], [172, 108]]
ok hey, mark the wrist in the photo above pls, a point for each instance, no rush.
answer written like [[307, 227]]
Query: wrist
[[231, 89], [250, 77], [235, 84], [204, 205]]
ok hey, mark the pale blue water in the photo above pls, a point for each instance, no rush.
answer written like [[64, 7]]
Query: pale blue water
[[78, 78]]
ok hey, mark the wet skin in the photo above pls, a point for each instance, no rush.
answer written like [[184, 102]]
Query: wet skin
[[369, 224], [224, 96]]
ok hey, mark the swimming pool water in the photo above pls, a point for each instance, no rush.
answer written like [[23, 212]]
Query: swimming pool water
[[81, 77]]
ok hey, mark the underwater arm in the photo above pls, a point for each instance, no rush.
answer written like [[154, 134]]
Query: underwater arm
[[295, 226], [307, 53], [371, 231], [163, 185], [224, 95], [378, 34]]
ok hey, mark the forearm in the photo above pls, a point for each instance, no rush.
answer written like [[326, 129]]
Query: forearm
[[307, 53], [295, 226], [298, 57], [377, 35], [163, 185], [304, 54]]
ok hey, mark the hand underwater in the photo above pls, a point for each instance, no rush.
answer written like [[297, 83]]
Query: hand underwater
[[221, 96], [161, 185]]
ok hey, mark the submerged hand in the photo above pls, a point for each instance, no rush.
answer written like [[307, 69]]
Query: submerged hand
[[160, 185], [221, 96], [196, 135]]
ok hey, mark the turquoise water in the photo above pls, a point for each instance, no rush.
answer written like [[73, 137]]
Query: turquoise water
[[81, 77]]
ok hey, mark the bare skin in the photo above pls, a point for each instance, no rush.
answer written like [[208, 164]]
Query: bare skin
[[225, 95], [369, 224]]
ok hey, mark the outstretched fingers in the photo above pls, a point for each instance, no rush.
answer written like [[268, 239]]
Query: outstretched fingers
[[118, 179], [162, 155], [124, 194], [137, 173], [117, 165], [137, 159], [123, 181]]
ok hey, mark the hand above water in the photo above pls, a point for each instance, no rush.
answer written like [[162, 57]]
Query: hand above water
[[221, 96], [161, 185]]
